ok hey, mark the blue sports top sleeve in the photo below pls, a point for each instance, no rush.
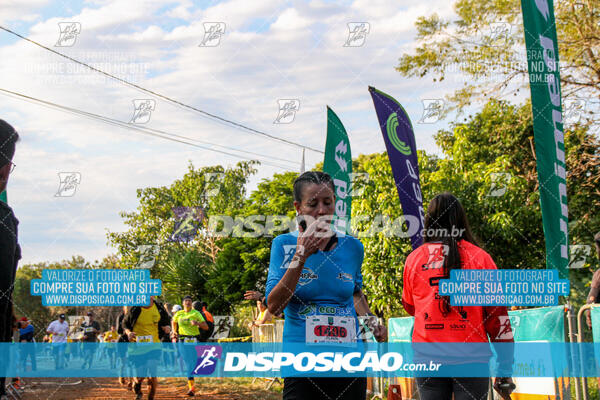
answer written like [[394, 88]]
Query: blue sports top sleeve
[[326, 286], [275, 272]]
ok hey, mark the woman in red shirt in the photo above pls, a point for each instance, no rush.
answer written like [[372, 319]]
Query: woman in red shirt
[[449, 244]]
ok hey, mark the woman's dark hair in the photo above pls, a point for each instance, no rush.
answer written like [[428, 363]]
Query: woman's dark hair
[[446, 222], [316, 177]]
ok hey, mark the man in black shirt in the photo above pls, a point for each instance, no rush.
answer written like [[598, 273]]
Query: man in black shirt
[[10, 251], [91, 328]]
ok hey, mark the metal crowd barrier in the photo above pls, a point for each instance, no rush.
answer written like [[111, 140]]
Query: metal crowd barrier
[[582, 380], [268, 333]]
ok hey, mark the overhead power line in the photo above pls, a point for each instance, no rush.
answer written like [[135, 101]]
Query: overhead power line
[[126, 82], [149, 131]]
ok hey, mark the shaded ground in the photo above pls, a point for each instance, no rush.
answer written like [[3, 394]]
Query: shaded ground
[[168, 388]]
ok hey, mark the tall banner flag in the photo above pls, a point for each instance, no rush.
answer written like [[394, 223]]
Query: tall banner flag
[[544, 81], [402, 151], [338, 164]]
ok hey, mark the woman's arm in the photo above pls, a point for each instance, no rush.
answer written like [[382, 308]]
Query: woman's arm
[[282, 293], [360, 304], [174, 328]]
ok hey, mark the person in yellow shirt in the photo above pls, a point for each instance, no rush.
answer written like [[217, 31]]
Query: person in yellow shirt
[[146, 325], [186, 325], [110, 338]]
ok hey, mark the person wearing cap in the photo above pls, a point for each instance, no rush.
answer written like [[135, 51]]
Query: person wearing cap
[[90, 328], [176, 308], [186, 325], [59, 329], [26, 336]]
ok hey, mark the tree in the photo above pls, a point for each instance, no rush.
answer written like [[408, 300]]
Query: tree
[[182, 265], [489, 165], [243, 264], [486, 43], [26, 305]]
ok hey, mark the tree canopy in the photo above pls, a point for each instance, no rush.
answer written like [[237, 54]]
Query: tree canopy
[[486, 45]]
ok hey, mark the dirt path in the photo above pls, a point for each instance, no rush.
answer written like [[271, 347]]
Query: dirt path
[[168, 388]]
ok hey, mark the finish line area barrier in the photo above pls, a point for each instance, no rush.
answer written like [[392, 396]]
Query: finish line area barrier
[[594, 310], [536, 325]]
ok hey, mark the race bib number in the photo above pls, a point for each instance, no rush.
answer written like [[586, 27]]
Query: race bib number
[[59, 334], [89, 329], [144, 339], [330, 329], [189, 340]]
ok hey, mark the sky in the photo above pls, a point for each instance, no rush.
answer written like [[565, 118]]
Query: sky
[[269, 51]]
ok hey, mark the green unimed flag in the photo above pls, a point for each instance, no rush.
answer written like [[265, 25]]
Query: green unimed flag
[[544, 80], [338, 164]]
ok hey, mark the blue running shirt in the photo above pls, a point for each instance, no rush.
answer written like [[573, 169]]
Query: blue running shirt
[[328, 281]]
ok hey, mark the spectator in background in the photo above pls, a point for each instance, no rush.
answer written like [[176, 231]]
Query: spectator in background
[[594, 295], [210, 321], [263, 315], [122, 351], [91, 329], [59, 330], [111, 337], [10, 251], [258, 296], [206, 313], [26, 336]]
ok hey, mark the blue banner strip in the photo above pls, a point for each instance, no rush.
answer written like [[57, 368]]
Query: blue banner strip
[[295, 359]]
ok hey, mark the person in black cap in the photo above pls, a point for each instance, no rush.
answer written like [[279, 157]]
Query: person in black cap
[[10, 251], [90, 328]]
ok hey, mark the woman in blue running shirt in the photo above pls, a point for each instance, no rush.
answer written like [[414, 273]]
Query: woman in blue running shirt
[[317, 282]]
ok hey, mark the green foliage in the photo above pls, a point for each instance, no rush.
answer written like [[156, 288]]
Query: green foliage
[[487, 162], [478, 153], [26, 305], [186, 267], [215, 269]]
